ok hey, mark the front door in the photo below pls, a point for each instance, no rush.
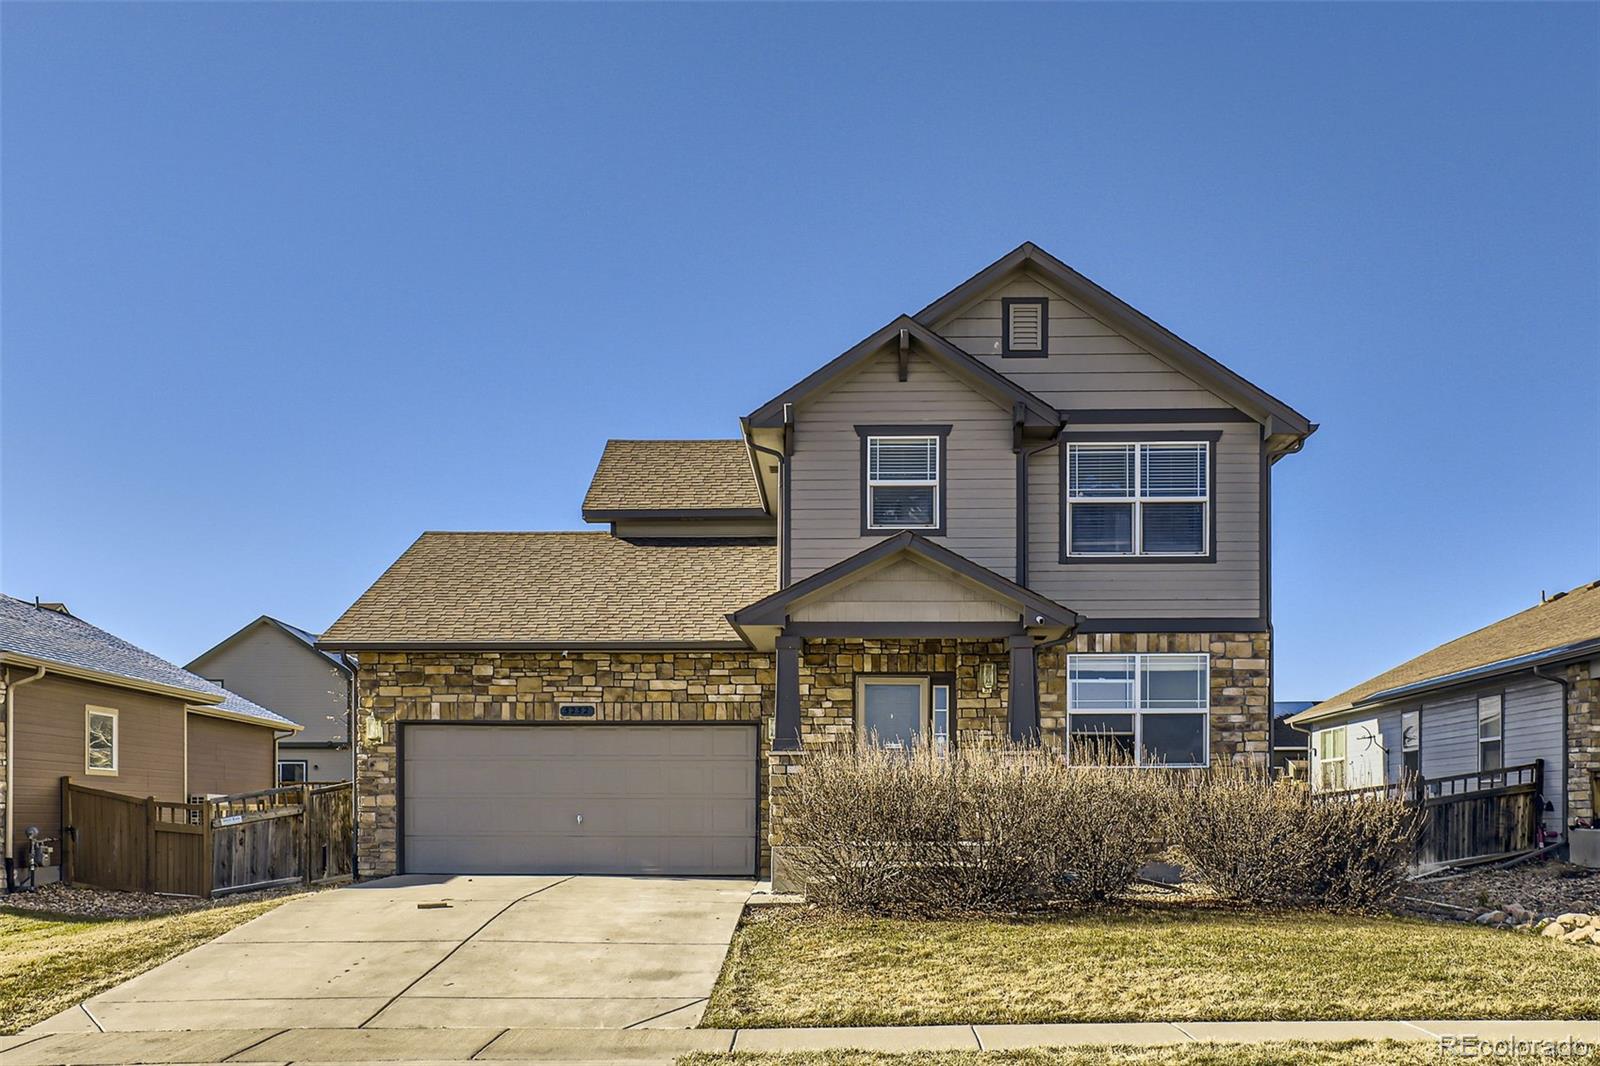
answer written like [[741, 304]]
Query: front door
[[893, 711]]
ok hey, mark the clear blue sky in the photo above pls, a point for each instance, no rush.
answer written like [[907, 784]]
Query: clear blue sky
[[286, 284]]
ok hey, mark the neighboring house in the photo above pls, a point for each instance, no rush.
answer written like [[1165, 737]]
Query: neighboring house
[[1525, 688], [82, 703], [1291, 747], [280, 667], [1026, 511]]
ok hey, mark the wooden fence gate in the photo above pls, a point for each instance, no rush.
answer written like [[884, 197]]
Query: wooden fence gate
[[301, 834]]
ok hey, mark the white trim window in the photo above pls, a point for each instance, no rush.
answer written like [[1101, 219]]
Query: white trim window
[[1328, 749], [941, 718], [903, 482], [99, 740], [293, 771], [1153, 710], [1491, 732], [1139, 499]]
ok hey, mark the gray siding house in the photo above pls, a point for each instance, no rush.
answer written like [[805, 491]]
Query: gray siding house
[[279, 666], [1525, 688], [1026, 511]]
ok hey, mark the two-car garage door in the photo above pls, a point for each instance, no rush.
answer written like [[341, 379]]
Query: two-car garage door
[[570, 798]]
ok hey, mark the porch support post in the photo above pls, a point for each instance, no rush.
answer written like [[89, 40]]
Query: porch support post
[[1023, 706], [786, 734]]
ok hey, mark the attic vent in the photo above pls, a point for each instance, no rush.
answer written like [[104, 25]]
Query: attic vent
[[1026, 326]]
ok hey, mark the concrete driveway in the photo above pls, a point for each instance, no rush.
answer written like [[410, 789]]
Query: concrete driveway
[[452, 952]]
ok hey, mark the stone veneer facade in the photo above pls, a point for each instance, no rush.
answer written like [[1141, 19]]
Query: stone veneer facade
[[739, 686], [664, 686], [1583, 739]]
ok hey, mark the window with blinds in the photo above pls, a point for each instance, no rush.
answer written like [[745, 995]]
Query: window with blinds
[[1026, 325], [902, 482], [1139, 499]]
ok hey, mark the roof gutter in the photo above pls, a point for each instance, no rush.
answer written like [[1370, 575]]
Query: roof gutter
[[11, 733], [211, 711], [783, 487], [189, 695]]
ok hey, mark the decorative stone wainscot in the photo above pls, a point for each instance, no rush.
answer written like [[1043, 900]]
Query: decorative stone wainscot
[[1241, 713], [675, 686], [1583, 738]]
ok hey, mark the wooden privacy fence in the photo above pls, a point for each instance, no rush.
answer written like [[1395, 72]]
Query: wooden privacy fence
[[302, 834], [1467, 816]]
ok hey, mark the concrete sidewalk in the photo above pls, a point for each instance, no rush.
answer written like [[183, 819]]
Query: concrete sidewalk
[[502, 1046]]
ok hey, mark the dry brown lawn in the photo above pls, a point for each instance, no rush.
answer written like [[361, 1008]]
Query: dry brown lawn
[[1286, 1053], [53, 962], [790, 967]]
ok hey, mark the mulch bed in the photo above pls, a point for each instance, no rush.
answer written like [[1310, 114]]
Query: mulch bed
[[76, 901], [1545, 888]]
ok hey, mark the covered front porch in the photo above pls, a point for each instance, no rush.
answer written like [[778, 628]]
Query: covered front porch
[[904, 642]]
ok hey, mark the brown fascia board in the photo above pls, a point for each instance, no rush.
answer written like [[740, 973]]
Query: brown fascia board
[[1128, 319], [963, 366], [358, 645], [624, 514], [771, 610]]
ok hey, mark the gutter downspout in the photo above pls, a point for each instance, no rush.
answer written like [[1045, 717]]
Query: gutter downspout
[[1025, 453], [1567, 753], [11, 763], [783, 495]]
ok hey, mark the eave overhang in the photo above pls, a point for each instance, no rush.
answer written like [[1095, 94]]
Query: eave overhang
[[924, 341]]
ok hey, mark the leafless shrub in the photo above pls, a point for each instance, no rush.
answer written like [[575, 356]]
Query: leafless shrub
[[985, 827], [1256, 840]]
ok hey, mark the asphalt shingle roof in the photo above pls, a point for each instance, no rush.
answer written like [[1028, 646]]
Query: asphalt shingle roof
[[484, 589], [54, 637], [1565, 619], [673, 475]]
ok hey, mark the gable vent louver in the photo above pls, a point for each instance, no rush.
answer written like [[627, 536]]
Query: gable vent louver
[[1025, 326]]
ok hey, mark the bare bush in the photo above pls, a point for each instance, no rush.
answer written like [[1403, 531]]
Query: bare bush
[[1252, 839], [984, 827]]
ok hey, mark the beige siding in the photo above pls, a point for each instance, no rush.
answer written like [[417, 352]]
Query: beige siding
[[1227, 588], [49, 744], [905, 591], [1089, 366], [227, 757], [825, 496], [267, 666]]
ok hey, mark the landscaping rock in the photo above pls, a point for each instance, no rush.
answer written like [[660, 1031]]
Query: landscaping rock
[[1491, 918], [1554, 929], [1571, 919]]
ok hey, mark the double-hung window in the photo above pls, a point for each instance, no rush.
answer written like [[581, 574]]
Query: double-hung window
[[1152, 710], [1139, 499], [1328, 747], [100, 740], [1491, 733], [902, 482]]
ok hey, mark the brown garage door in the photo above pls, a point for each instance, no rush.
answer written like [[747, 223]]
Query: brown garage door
[[614, 799]]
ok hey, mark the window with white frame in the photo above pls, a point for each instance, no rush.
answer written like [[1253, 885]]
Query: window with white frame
[[100, 740], [1139, 499], [1152, 710], [1328, 748], [1411, 743], [1491, 732], [903, 482], [292, 771], [941, 718]]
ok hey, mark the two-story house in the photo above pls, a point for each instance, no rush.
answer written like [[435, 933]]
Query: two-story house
[[1026, 511]]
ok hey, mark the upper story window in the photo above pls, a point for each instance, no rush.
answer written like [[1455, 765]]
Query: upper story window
[[1139, 499], [1025, 324], [100, 740], [902, 478], [1150, 709]]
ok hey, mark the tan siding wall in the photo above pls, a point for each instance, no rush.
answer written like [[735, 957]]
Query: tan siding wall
[[905, 591], [49, 744], [1227, 588], [269, 667], [1089, 366], [226, 757], [825, 497]]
